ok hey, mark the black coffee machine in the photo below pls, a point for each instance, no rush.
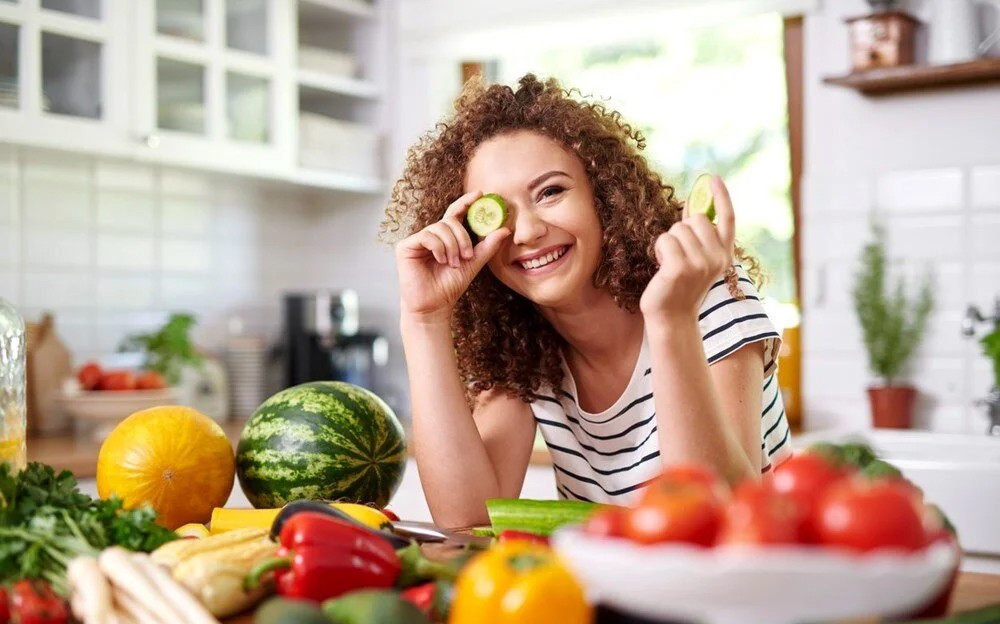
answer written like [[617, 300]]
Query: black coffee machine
[[323, 341]]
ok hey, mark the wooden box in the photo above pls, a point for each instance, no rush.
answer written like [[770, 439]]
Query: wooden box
[[881, 40]]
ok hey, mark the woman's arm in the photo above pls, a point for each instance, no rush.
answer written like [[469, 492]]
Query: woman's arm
[[700, 420], [463, 460], [706, 415]]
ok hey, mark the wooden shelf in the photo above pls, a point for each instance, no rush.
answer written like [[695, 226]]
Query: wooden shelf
[[919, 77]]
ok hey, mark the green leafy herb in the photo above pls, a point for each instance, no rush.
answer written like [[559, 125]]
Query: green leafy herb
[[168, 349], [45, 521], [892, 325], [991, 347]]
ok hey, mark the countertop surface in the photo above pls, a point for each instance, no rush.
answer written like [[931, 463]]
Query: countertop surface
[[79, 455], [972, 591]]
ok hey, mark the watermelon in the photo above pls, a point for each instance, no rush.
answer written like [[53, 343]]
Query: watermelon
[[322, 440]]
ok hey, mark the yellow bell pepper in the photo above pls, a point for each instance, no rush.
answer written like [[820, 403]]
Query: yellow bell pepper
[[518, 581], [225, 519]]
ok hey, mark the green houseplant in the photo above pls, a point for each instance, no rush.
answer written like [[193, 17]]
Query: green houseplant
[[168, 349], [991, 347], [892, 326]]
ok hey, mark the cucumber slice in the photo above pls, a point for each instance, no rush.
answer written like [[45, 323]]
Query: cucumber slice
[[486, 214], [700, 199]]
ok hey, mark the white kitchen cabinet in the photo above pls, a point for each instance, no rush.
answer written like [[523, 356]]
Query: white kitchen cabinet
[[64, 73], [216, 85]]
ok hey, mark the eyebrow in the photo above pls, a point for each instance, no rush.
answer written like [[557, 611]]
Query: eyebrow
[[545, 176]]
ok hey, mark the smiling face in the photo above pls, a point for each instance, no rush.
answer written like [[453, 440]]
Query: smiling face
[[555, 247]]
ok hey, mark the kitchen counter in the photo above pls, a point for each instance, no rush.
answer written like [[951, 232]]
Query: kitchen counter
[[80, 455], [973, 591]]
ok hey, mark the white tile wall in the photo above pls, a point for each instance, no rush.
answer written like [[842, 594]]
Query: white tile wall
[[936, 187], [111, 248], [986, 187]]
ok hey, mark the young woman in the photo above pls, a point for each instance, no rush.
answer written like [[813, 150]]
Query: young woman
[[600, 312]]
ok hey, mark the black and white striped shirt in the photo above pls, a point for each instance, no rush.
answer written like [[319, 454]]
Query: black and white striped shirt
[[610, 456]]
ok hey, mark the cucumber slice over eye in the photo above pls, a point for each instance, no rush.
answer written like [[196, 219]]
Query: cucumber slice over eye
[[700, 200], [486, 214]]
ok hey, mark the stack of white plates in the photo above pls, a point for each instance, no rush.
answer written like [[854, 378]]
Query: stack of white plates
[[246, 361]]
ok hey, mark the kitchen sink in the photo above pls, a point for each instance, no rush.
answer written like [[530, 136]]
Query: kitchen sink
[[960, 473]]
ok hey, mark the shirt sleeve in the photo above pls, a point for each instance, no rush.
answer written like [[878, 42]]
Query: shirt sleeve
[[727, 323]]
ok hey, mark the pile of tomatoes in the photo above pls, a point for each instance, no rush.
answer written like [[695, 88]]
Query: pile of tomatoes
[[811, 499], [92, 377]]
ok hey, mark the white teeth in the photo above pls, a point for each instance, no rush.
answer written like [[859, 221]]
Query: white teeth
[[547, 258]]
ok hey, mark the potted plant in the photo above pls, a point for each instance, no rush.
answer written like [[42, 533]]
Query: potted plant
[[892, 325], [991, 348]]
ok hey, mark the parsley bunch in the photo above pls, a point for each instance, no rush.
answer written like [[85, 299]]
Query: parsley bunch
[[46, 521]]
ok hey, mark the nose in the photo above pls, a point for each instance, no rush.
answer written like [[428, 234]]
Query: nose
[[527, 227]]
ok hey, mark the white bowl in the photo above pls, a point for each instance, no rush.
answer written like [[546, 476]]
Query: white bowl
[[752, 585], [106, 408]]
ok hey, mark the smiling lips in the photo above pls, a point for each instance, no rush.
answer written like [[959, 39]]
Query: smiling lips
[[538, 262]]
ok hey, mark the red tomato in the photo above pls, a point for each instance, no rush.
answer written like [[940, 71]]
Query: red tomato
[[866, 516], [118, 380], [34, 602], [391, 515], [759, 515], [150, 380], [89, 376], [805, 478], [607, 522], [4, 606]]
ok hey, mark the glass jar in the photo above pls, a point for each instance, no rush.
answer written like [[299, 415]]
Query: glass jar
[[13, 415]]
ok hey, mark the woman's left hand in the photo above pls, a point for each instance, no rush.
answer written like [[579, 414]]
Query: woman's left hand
[[692, 255]]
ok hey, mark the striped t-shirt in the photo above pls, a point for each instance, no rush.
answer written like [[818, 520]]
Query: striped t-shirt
[[608, 457]]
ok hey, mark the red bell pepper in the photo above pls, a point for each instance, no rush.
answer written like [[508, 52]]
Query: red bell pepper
[[421, 596], [34, 602], [323, 557]]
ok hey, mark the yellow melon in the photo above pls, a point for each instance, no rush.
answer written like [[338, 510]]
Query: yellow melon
[[174, 458]]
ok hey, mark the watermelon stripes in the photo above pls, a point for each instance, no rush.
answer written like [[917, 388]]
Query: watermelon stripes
[[323, 440]]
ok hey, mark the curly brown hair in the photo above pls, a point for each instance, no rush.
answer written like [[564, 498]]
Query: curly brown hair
[[501, 340]]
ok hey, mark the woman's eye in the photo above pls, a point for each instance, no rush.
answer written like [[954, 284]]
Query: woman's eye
[[551, 191]]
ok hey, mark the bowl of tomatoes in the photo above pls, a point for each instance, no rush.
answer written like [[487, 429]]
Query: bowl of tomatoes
[[820, 539], [98, 398]]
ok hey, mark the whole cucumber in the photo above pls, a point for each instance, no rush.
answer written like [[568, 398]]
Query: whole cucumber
[[281, 611], [373, 606]]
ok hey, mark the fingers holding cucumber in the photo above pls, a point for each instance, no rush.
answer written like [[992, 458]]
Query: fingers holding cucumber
[[437, 264]]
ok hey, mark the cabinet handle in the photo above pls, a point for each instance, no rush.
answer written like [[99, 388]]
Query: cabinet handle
[[152, 140]]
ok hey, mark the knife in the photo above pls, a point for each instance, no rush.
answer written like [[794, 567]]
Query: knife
[[428, 532]]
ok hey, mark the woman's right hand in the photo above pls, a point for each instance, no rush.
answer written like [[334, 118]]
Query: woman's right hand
[[438, 263]]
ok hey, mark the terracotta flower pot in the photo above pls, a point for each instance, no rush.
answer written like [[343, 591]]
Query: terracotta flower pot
[[892, 406]]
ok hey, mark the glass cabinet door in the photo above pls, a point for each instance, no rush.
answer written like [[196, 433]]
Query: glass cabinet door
[[71, 76], [246, 26], [10, 35], [215, 69], [181, 18], [180, 89], [81, 8]]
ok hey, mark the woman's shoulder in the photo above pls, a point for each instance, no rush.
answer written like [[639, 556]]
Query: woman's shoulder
[[729, 321]]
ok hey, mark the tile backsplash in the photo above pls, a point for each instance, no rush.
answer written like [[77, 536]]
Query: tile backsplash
[[939, 220], [112, 248], [926, 165]]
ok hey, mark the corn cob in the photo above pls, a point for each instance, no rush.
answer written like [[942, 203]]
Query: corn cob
[[172, 553], [216, 577]]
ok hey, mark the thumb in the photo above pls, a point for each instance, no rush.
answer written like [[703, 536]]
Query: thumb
[[488, 247]]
